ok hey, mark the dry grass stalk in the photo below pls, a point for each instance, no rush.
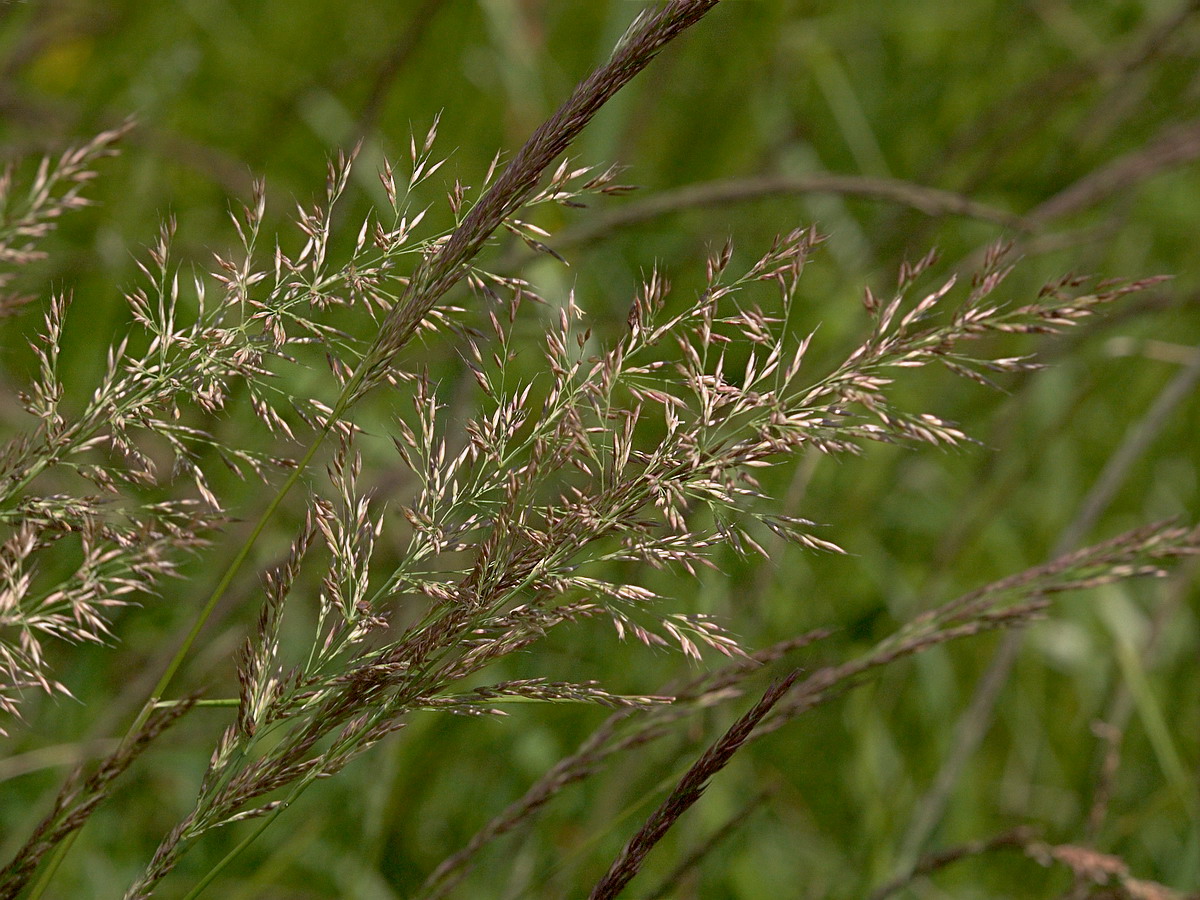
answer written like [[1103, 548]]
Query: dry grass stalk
[[622, 732], [928, 200], [1098, 875], [669, 886], [686, 793], [1012, 601], [933, 862]]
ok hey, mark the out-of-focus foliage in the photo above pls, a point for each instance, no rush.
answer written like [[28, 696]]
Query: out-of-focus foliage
[[1070, 129]]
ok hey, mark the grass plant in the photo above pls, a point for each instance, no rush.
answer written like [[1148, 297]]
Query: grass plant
[[594, 472]]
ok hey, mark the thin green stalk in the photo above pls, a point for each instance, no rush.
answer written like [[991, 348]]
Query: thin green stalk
[[232, 569], [222, 702], [259, 828], [245, 842]]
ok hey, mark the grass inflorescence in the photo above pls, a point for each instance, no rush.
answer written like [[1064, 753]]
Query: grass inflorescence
[[643, 452]]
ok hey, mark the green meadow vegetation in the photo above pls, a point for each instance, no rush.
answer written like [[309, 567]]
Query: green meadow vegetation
[[590, 448]]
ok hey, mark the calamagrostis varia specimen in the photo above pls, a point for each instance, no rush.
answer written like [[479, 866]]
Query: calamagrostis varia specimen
[[644, 451]]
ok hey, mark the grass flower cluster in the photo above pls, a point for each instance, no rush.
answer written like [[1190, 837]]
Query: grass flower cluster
[[643, 452]]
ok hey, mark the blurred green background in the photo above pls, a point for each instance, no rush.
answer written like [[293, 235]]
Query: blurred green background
[[1074, 127]]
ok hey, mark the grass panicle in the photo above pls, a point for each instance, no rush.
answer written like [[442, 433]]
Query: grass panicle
[[646, 450]]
